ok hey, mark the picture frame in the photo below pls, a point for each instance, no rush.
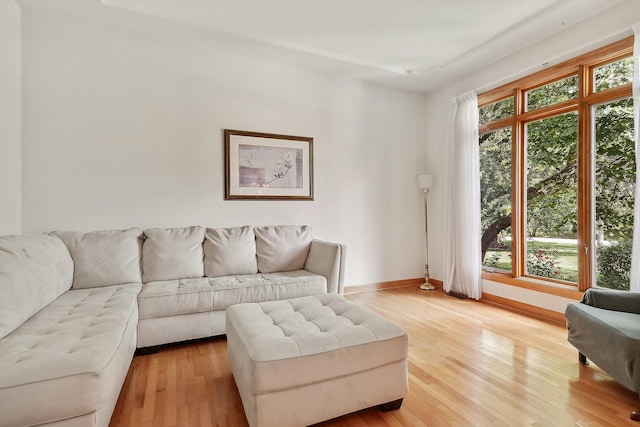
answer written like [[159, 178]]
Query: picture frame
[[267, 166]]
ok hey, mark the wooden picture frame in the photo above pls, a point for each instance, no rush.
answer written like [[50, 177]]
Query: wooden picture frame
[[266, 166]]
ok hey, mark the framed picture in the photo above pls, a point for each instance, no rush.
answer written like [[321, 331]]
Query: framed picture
[[267, 166]]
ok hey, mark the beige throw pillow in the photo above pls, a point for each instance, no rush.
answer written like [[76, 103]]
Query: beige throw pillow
[[34, 271], [229, 251], [104, 258], [172, 253], [282, 247]]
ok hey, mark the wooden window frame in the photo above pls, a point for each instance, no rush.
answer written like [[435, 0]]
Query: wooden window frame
[[583, 66]]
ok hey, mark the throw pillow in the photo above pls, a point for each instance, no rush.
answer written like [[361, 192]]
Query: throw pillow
[[229, 251], [282, 247], [104, 258], [172, 253]]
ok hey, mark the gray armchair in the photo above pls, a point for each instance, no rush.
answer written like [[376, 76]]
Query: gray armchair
[[605, 328]]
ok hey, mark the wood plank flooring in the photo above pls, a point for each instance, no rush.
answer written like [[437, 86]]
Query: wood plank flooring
[[470, 364]]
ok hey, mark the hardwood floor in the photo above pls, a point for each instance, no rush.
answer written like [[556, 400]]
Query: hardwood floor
[[470, 364]]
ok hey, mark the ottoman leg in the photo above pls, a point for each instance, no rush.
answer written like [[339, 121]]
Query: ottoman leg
[[391, 406]]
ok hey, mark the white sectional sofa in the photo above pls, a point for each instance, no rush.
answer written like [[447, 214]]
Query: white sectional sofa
[[74, 306]]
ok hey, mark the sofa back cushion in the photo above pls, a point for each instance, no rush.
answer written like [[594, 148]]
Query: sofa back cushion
[[282, 247], [230, 251], [34, 271], [172, 253], [104, 258]]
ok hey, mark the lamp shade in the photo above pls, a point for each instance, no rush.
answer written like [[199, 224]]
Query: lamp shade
[[425, 180]]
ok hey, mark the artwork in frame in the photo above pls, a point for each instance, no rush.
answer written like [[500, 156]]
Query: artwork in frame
[[267, 166]]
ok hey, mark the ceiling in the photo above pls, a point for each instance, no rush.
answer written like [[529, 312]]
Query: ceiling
[[412, 44]]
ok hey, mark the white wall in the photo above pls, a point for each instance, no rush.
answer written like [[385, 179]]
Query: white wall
[[10, 116], [598, 31], [123, 118]]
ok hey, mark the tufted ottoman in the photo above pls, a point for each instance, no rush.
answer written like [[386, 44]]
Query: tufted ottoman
[[301, 361]]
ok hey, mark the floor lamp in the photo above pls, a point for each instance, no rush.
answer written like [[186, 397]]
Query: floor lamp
[[425, 181]]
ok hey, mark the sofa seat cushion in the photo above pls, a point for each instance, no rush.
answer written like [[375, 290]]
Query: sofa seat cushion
[[61, 358], [185, 296]]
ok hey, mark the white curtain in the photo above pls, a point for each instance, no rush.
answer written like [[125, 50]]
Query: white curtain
[[635, 253], [463, 264]]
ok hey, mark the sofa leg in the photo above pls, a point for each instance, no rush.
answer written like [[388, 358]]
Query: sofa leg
[[583, 359], [145, 351], [391, 406]]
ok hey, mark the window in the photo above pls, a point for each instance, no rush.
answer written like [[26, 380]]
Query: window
[[551, 199], [557, 173], [495, 190], [552, 93], [615, 177], [614, 74]]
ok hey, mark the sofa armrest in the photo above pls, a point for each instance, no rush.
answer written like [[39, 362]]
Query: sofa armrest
[[608, 299], [327, 259]]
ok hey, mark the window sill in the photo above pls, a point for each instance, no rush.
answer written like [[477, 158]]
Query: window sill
[[558, 289]]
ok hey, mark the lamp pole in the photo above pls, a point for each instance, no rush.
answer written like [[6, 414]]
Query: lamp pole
[[426, 286], [425, 181]]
